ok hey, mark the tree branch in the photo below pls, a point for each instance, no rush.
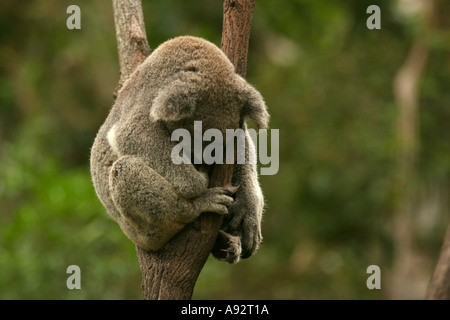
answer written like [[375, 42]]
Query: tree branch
[[237, 20], [132, 41]]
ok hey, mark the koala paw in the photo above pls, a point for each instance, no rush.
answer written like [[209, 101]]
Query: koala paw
[[250, 234], [227, 248], [216, 200], [244, 223]]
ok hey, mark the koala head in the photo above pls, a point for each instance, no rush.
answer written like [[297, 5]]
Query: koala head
[[196, 81]]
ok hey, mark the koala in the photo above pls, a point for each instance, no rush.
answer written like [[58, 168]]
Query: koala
[[185, 79]]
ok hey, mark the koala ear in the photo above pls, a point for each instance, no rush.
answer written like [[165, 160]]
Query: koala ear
[[174, 102], [255, 107]]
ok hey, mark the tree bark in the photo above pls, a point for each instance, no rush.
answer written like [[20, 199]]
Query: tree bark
[[439, 288], [171, 273], [237, 20], [132, 42]]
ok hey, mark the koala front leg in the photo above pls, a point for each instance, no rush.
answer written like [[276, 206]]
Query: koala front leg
[[246, 211], [187, 181], [151, 210]]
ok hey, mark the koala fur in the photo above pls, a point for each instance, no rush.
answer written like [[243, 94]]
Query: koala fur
[[151, 198]]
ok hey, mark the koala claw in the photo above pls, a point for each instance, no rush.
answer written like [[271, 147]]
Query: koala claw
[[250, 243], [242, 222], [231, 190], [227, 248], [215, 199]]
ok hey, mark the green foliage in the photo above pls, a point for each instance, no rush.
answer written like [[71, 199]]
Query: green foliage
[[327, 81], [51, 218]]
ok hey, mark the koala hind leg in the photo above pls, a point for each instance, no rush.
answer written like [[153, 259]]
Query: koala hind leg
[[151, 212]]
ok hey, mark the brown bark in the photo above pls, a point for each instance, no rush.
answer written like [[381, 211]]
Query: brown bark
[[171, 273], [439, 288], [237, 20], [132, 42]]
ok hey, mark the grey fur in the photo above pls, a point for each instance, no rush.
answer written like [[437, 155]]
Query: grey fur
[[151, 198]]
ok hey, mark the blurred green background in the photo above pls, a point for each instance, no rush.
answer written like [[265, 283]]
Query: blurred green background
[[351, 191]]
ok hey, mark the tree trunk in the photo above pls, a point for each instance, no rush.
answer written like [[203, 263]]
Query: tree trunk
[[171, 273], [439, 288]]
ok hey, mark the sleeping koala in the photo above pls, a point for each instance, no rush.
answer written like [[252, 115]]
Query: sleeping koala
[[185, 79]]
